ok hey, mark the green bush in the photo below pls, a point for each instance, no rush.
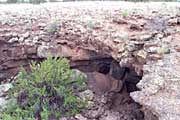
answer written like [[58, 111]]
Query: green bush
[[47, 92]]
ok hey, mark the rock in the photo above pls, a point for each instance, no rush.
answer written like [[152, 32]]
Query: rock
[[100, 82], [14, 34], [116, 71], [111, 116], [42, 51], [142, 54], [155, 56], [4, 88], [131, 47], [158, 86], [80, 117], [158, 50], [146, 37], [151, 49], [135, 26], [121, 48], [163, 50], [116, 85], [45, 38], [35, 39], [95, 113], [3, 103], [160, 35], [12, 40], [26, 35], [119, 21], [3, 95], [177, 48], [42, 25], [21, 39], [164, 103], [12, 56], [90, 104], [63, 118], [172, 22], [87, 95], [93, 24]]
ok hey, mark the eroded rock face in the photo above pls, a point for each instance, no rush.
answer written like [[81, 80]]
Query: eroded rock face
[[144, 39], [12, 56]]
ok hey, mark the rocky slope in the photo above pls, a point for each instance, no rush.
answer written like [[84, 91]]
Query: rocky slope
[[142, 36]]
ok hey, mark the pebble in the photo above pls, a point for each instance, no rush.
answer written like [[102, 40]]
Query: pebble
[[87, 95], [80, 117], [26, 35], [12, 40]]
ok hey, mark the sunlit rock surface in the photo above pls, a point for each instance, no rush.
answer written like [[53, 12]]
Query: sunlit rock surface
[[144, 36]]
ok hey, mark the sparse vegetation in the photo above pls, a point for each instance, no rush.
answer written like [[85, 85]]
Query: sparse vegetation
[[125, 14], [47, 92], [52, 27]]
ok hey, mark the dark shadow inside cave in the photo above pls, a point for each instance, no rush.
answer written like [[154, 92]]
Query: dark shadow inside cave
[[109, 67], [105, 75]]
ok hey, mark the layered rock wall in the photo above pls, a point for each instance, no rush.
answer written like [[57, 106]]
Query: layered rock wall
[[141, 36]]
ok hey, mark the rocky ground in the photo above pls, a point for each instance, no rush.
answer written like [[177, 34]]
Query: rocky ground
[[141, 36]]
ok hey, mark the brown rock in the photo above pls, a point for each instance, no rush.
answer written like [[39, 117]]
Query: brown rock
[[119, 21], [135, 26], [156, 56], [103, 83], [12, 56], [177, 48]]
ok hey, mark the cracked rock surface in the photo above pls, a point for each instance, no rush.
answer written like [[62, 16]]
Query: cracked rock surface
[[144, 36]]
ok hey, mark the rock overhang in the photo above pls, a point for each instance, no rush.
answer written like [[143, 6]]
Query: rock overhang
[[143, 36]]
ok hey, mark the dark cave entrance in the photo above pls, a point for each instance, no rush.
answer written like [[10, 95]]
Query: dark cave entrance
[[109, 67], [104, 73]]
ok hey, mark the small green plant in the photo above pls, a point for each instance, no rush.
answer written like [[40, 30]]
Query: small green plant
[[125, 14], [90, 24], [47, 92], [53, 26]]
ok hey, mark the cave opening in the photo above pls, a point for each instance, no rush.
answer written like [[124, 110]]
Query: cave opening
[[109, 68], [106, 76]]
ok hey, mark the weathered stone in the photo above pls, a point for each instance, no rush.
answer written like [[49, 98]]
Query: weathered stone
[[163, 50], [3, 102], [4, 88], [119, 21], [177, 48], [21, 39], [161, 99], [172, 22], [111, 116], [87, 95], [42, 25], [80, 117], [142, 54], [155, 56], [42, 51], [131, 47], [12, 40], [135, 26], [26, 35], [146, 37]]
